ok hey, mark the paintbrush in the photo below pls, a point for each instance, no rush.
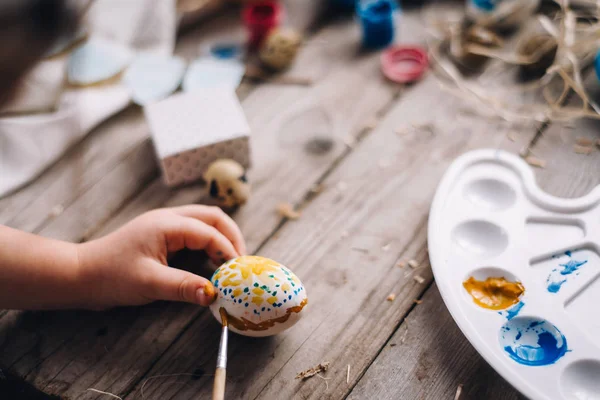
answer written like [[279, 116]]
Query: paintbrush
[[219, 386]]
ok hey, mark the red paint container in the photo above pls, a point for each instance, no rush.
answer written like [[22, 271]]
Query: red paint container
[[402, 64], [260, 18]]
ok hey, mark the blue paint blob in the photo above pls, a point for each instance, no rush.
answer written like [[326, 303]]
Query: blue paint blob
[[571, 266], [534, 342], [514, 311], [547, 351], [558, 276], [535, 323], [554, 287]]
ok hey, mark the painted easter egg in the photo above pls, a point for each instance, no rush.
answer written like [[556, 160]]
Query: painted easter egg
[[261, 296]]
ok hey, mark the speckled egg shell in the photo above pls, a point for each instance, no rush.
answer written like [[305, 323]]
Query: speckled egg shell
[[261, 296], [280, 48]]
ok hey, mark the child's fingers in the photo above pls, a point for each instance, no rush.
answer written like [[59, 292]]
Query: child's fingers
[[215, 217], [166, 283], [190, 233]]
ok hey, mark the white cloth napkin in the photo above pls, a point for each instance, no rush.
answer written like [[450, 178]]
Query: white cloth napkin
[[30, 143]]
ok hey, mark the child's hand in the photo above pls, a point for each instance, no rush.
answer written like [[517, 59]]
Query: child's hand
[[129, 266]]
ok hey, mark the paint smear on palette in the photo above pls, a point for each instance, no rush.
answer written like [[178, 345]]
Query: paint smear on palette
[[494, 293], [532, 341], [513, 311], [559, 275]]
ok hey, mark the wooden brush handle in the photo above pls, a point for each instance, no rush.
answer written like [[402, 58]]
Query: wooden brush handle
[[219, 387]]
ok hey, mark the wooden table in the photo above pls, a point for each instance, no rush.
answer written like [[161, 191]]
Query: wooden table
[[361, 159]]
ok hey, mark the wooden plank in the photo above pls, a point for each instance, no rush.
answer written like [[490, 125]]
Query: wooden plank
[[567, 173], [97, 156], [428, 357], [407, 371], [119, 383], [271, 126], [70, 373], [345, 248]]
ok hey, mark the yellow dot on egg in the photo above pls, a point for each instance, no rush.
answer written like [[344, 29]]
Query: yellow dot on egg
[[271, 299], [231, 282], [257, 291], [237, 292], [257, 300], [286, 287]]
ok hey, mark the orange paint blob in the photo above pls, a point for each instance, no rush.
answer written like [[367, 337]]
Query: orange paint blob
[[494, 293], [209, 290]]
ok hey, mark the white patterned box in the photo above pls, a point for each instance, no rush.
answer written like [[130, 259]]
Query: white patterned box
[[191, 130]]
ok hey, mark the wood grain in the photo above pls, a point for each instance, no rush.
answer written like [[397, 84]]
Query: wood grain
[[337, 249], [435, 356], [428, 357], [71, 357], [567, 173], [371, 213]]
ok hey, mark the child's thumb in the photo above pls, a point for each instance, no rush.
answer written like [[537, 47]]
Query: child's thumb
[[173, 284]]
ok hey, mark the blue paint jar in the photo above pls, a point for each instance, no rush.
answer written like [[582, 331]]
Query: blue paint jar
[[597, 64], [377, 20], [484, 5]]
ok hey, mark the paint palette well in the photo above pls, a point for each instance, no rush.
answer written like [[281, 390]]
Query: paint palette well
[[490, 225]]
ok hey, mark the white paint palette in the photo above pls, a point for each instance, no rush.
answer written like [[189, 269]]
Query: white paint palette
[[489, 219]]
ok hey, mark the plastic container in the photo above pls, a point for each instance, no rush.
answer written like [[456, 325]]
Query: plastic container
[[260, 18], [377, 22], [489, 219]]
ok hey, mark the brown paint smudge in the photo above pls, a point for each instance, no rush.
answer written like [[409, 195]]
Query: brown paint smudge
[[223, 316], [242, 324]]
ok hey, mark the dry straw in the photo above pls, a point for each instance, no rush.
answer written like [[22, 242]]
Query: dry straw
[[576, 38]]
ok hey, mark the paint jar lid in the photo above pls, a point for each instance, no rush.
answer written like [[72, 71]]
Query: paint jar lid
[[402, 64]]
